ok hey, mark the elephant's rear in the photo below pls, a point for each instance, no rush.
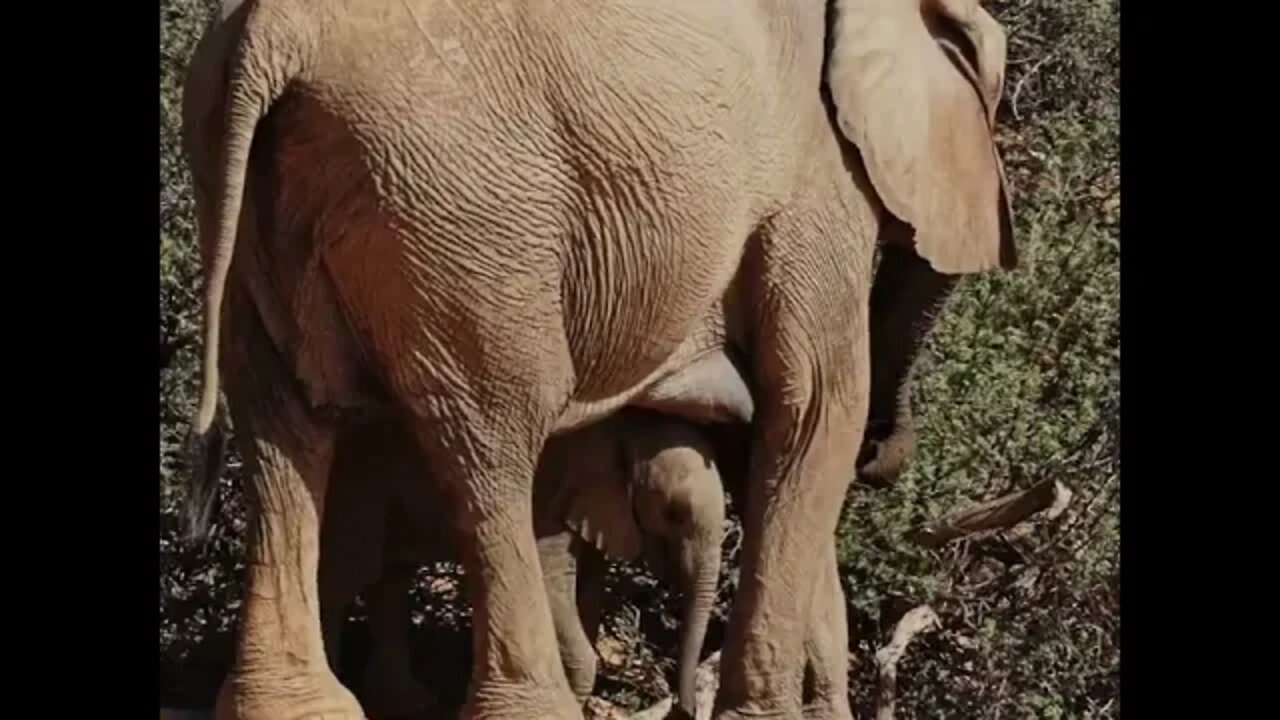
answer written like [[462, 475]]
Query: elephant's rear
[[556, 185], [557, 191]]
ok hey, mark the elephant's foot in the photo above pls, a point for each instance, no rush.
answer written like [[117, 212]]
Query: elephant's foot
[[747, 714], [776, 705], [397, 695], [824, 709], [884, 459], [272, 696], [509, 701]]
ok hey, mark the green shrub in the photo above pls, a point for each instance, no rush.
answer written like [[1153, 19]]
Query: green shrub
[[1020, 383]]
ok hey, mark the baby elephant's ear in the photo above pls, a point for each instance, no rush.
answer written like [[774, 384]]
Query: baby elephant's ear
[[600, 512], [916, 84]]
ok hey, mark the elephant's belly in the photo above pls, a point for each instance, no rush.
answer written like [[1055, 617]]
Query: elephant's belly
[[709, 337]]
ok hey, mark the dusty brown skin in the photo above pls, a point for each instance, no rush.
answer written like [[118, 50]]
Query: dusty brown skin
[[635, 485], [825, 686], [505, 220]]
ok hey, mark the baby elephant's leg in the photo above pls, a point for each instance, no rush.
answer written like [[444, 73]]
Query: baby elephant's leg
[[557, 554]]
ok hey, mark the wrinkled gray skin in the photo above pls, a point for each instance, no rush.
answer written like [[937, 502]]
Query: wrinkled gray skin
[[503, 221], [635, 485]]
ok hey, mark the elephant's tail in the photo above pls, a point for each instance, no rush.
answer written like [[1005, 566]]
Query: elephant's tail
[[270, 49], [206, 451]]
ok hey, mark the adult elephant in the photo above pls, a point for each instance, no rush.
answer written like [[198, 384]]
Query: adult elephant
[[507, 220], [636, 485]]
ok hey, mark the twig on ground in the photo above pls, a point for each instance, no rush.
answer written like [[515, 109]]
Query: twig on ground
[[1017, 89], [1001, 513], [916, 621]]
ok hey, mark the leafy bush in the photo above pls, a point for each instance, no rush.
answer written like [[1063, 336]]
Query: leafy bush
[[1020, 384]]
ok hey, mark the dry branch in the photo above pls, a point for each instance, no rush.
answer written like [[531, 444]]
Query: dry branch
[[1003, 512], [916, 621]]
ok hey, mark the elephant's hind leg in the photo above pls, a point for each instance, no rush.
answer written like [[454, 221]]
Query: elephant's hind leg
[[280, 670], [487, 455], [811, 379], [826, 648]]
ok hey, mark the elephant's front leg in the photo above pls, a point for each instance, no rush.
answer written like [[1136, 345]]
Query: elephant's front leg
[[826, 648], [811, 369], [280, 671], [559, 569], [905, 300], [390, 688]]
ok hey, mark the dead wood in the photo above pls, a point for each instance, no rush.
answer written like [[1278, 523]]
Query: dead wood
[[914, 622], [1001, 513]]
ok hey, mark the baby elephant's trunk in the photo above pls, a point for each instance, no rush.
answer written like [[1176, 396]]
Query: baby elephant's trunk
[[700, 566]]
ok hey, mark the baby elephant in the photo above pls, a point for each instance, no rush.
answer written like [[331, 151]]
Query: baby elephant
[[636, 485]]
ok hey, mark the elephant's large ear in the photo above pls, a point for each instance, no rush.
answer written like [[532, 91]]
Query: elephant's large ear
[[600, 511], [915, 84]]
